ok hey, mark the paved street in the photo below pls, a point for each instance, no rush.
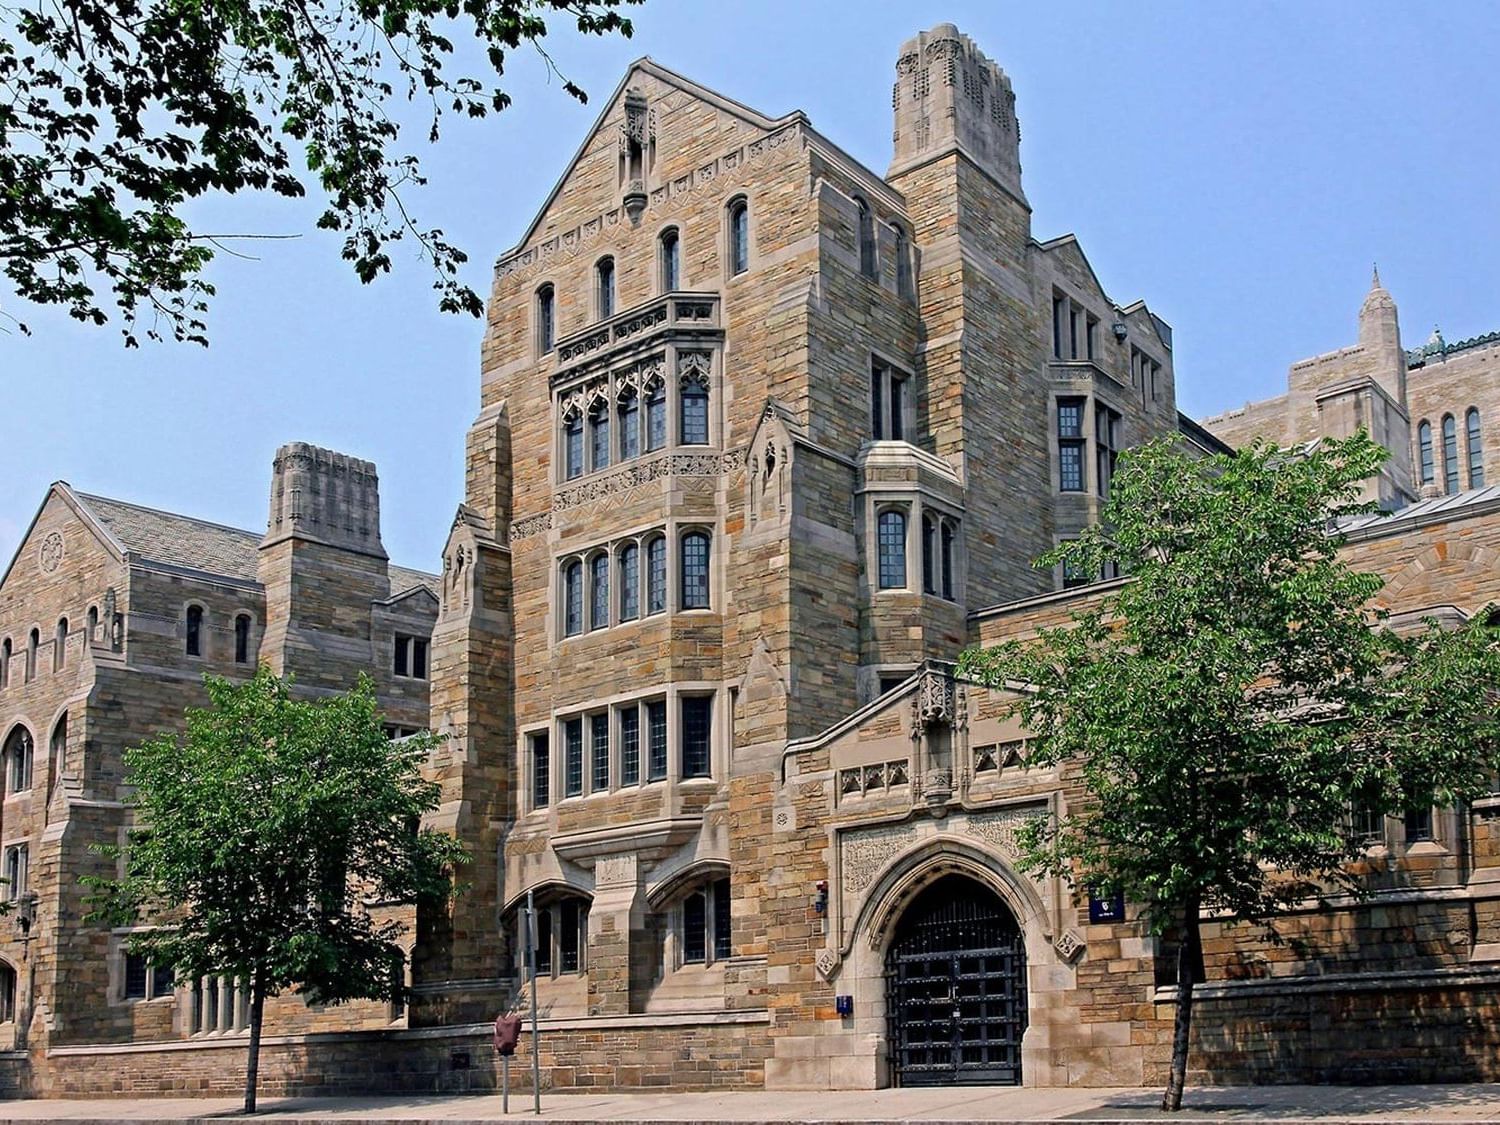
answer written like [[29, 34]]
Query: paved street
[[1238, 1104]]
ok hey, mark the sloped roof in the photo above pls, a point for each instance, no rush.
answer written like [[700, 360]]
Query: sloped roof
[[1439, 509], [195, 544]]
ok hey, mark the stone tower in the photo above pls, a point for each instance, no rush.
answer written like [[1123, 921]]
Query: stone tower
[[322, 553], [1380, 336]]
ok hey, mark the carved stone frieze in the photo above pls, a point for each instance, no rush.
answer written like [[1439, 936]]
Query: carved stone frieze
[[864, 851]]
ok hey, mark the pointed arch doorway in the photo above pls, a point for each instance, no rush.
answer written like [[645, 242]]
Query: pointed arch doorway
[[956, 988]]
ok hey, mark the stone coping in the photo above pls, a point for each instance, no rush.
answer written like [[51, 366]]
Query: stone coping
[[1474, 976], [237, 1040]]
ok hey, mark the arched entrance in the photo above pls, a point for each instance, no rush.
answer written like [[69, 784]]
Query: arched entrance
[[956, 988]]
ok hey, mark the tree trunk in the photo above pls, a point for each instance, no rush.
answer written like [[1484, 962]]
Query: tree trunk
[[252, 1065], [1187, 962]]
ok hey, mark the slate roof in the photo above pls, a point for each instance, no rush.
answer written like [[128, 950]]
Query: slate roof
[[1438, 509], [195, 544]]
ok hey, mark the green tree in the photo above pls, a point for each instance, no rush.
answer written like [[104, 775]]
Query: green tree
[[262, 836], [116, 114], [1221, 711]]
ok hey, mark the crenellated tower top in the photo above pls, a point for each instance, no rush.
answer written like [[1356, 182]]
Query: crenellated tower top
[[950, 97], [324, 496]]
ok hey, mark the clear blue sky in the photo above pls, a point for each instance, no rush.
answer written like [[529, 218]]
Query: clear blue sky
[[1238, 165]]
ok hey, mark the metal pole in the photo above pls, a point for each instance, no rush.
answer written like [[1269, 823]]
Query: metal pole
[[536, 1057], [505, 1084]]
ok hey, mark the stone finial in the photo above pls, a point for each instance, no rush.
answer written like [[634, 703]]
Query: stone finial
[[325, 497], [949, 96]]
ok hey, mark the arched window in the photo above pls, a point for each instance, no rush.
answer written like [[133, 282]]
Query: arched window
[[562, 925], [92, 621], [703, 924], [929, 556], [739, 236], [18, 754], [903, 264], [1450, 454], [60, 645], [949, 535], [670, 251], [656, 575], [1424, 451], [630, 582], [656, 416], [573, 446], [694, 570], [546, 319], [630, 424], [242, 639], [604, 287], [599, 436], [5, 648], [57, 750], [694, 411], [867, 263], [1476, 448], [573, 599], [195, 630], [891, 546], [599, 592], [33, 642], [7, 993]]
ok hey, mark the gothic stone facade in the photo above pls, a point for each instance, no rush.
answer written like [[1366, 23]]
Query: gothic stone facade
[[765, 439]]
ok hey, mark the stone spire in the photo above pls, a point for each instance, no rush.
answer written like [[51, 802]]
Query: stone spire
[[948, 98]]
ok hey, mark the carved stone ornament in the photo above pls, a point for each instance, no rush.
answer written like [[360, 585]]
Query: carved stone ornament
[[694, 367], [828, 963], [934, 703], [51, 554], [1069, 945]]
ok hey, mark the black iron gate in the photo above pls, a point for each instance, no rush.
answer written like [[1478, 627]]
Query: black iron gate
[[956, 989]]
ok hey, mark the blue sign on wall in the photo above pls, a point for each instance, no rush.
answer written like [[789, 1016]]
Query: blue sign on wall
[[1102, 910]]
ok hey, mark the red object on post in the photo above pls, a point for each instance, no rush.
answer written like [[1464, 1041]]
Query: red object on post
[[507, 1032]]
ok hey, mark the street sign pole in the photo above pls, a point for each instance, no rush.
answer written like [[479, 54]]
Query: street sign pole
[[536, 1058]]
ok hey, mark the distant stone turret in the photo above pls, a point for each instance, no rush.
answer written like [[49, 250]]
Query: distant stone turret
[[1380, 336], [950, 97]]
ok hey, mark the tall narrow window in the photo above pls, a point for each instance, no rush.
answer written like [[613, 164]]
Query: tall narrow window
[[903, 264], [1075, 319], [948, 536], [542, 951], [15, 871], [599, 591], [573, 446], [867, 263], [1070, 444], [929, 556], [195, 630], [888, 402], [1418, 823], [7, 994], [572, 921], [1476, 448], [60, 646], [891, 536], [1059, 320], [57, 750], [545, 319], [877, 401], [1106, 446], [18, 754], [604, 287], [573, 758], [694, 411], [630, 582], [630, 424], [697, 723], [656, 416], [5, 650], [599, 436], [695, 928], [656, 740], [573, 599], [33, 642], [671, 260], [242, 639], [1424, 451], [1450, 454], [695, 546], [739, 236], [599, 753], [656, 575], [410, 656], [541, 770], [630, 745], [721, 919], [1091, 337]]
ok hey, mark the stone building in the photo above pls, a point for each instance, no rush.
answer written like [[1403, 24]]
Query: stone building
[[765, 438], [110, 616]]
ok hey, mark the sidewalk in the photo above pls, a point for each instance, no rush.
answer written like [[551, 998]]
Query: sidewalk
[[1240, 1104]]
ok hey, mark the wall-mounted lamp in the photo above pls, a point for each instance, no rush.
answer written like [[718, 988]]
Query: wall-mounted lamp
[[820, 904], [1118, 328]]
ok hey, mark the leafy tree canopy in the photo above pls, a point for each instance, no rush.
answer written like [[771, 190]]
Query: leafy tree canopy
[[115, 114], [264, 835], [1222, 710]]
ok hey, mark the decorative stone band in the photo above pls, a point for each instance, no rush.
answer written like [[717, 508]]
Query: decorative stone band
[[692, 312], [572, 242], [627, 477]]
